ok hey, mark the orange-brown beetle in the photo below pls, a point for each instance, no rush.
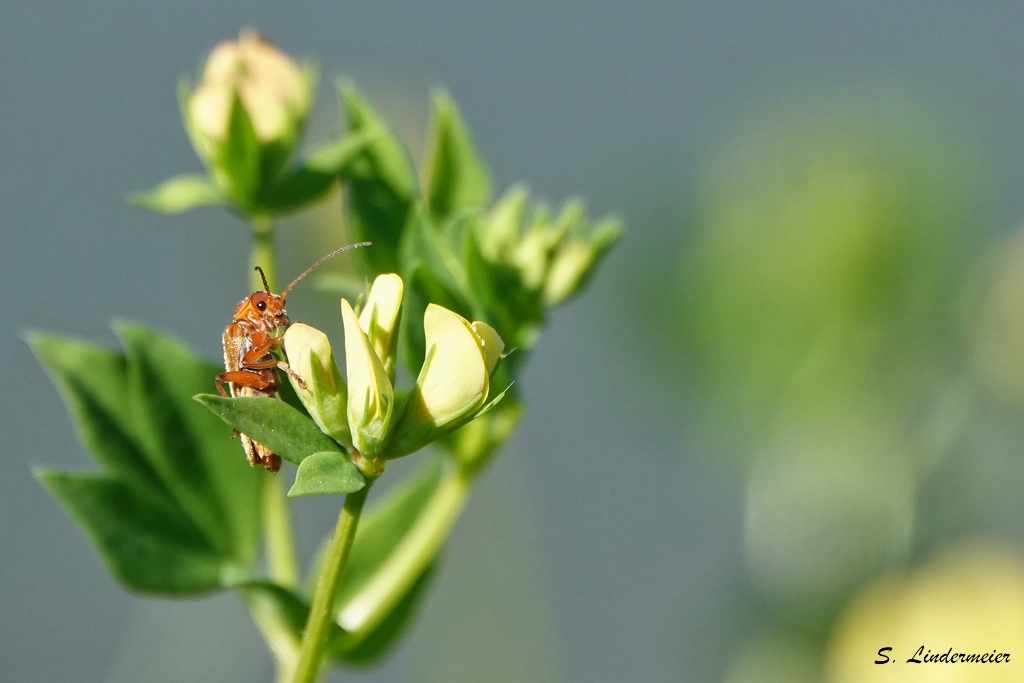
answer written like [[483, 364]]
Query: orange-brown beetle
[[249, 342]]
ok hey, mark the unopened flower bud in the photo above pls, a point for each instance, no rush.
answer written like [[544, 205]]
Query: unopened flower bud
[[274, 94], [371, 397], [453, 383], [499, 231], [324, 394], [576, 259], [379, 318]]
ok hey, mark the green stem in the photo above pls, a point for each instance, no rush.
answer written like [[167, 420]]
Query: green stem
[[277, 535], [371, 605], [314, 638], [262, 253]]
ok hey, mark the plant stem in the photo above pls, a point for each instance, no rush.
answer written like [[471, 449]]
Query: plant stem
[[314, 638], [262, 253], [277, 535]]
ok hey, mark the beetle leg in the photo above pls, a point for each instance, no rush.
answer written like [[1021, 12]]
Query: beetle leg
[[251, 380], [261, 345], [280, 365]]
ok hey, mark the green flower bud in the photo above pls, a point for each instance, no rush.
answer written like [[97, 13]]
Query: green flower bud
[[275, 95], [274, 90], [379, 318], [453, 383], [576, 259], [371, 396], [499, 232], [532, 254], [325, 397]]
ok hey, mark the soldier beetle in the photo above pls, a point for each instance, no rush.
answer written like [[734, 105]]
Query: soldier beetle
[[250, 368]]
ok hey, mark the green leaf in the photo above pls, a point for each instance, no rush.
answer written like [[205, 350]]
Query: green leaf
[[329, 472], [381, 530], [384, 525], [288, 607], [499, 292], [239, 156], [286, 392], [273, 423], [457, 177], [381, 184], [190, 449], [178, 194], [94, 384], [315, 176], [513, 309], [432, 274], [422, 246], [374, 646], [148, 545]]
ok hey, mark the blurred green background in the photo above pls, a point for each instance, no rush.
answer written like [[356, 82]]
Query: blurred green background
[[791, 400]]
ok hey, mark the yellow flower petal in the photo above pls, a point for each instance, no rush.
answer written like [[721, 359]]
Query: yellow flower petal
[[371, 396], [452, 385], [490, 343], [324, 395], [379, 317]]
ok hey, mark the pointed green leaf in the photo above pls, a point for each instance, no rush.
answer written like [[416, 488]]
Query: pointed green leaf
[[288, 608], [94, 384], [432, 274], [178, 194], [380, 182], [286, 392], [457, 177], [423, 246], [147, 545], [315, 176], [501, 297], [273, 423], [380, 640], [190, 449], [239, 156], [329, 472]]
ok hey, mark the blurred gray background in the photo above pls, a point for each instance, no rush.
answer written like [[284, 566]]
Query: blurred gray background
[[606, 542]]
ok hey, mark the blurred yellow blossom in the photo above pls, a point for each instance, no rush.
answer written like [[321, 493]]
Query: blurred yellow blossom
[[968, 602]]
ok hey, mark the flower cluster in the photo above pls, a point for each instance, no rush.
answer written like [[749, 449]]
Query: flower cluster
[[553, 255], [364, 414]]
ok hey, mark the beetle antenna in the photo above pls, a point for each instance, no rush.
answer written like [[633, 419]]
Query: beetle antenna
[[313, 267], [264, 277]]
